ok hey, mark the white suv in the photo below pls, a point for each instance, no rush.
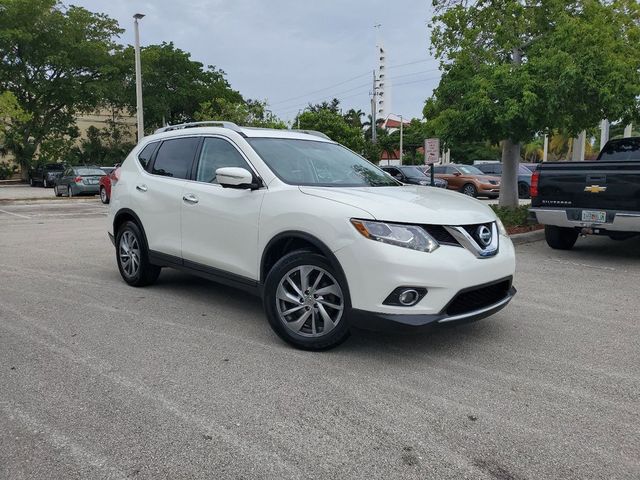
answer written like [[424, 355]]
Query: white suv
[[327, 239]]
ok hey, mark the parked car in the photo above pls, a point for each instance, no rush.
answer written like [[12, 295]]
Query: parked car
[[469, 180], [412, 175], [524, 176], [78, 181], [106, 181], [248, 207], [601, 197], [530, 166], [45, 174]]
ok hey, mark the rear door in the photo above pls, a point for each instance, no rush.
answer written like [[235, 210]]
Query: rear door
[[220, 225], [158, 193]]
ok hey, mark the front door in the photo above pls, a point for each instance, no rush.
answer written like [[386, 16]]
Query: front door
[[220, 225]]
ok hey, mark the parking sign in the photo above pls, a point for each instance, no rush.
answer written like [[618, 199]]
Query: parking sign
[[431, 151]]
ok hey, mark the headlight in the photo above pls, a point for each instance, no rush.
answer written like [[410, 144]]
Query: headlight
[[423, 182], [408, 236], [501, 230]]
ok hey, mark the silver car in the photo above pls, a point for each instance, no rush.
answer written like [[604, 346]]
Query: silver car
[[79, 181]]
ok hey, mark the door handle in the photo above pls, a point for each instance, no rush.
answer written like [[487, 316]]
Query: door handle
[[190, 198], [141, 188]]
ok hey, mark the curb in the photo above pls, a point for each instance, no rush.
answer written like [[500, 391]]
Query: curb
[[527, 237]]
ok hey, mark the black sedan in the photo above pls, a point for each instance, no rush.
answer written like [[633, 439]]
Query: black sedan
[[45, 174], [412, 175]]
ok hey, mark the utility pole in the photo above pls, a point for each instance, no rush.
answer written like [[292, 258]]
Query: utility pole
[[374, 134], [401, 122], [604, 132], [139, 112], [545, 151]]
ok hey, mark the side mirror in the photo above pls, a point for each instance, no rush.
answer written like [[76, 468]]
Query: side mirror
[[456, 174], [235, 177]]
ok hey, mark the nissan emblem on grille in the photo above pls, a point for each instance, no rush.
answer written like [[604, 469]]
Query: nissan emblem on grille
[[484, 235]]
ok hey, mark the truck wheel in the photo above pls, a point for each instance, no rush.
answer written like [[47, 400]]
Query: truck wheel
[[560, 238], [306, 301]]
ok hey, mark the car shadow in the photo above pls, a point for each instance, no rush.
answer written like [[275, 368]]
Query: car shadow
[[603, 248]]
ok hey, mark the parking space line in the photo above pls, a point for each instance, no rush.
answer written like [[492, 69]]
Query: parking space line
[[15, 214]]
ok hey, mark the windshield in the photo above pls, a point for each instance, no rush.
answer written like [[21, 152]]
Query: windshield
[[307, 162], [89, 171], [54, 166], [413, 172], [469, 170], [623, 149]]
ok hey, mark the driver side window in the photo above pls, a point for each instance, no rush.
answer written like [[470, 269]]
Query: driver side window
[[217, 153]]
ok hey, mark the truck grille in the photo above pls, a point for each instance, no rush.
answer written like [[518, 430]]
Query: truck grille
[[478, 297]]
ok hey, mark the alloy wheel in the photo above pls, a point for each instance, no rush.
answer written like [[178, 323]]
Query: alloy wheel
[[469, 190], [103, 195], [309, 301], [129, 253]]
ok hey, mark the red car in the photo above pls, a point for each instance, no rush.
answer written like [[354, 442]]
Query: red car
[[112, 174]]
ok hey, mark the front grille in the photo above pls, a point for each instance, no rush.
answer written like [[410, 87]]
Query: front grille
[[440, 234], [473, 231], [478, 297]]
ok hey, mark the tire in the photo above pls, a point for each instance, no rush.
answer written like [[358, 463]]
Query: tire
[[69, 191], [132, 257], [560, 238], [45, 183], [469, 189], [318, 321], [523, 190], [31, 182], [56, 191], [104, 198]]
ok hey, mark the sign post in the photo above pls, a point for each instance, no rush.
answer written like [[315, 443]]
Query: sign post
[[431, 154]]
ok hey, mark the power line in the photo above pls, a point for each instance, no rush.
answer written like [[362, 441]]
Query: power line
[[347, 81]]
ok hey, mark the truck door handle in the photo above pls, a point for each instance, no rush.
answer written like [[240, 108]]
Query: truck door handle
[[596, 179], [141, 188], [190, 198]]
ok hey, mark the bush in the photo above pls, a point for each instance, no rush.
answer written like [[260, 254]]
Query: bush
[[512, 217], [7, 170]]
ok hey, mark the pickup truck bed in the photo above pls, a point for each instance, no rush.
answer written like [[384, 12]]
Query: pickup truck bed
[[600, 197]]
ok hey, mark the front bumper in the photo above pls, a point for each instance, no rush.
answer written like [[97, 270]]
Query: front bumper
[[395, 322]]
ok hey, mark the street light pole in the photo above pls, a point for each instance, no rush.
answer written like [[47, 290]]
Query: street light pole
[[401, 122], [139, 112]]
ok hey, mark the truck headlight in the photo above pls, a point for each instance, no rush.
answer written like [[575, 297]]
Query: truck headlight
[[407, 236]]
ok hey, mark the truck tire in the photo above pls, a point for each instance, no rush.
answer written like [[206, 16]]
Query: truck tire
[[560, 238]]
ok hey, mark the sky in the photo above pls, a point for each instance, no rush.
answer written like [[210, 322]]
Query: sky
[[292, 52]]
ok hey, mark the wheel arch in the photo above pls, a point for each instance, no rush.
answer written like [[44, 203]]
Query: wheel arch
[[126, 214], [292, 240]]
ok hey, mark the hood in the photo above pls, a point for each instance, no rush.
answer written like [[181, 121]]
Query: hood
[[409, 204]]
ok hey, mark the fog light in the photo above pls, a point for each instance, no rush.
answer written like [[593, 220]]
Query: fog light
[[405, 296], [408, 297]]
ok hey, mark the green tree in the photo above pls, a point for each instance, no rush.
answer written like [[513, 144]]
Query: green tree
[[250, 113], [516, 68], [174, 86], [57, 62], [333, 125]]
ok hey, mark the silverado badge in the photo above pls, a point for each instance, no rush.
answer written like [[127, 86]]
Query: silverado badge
[[594, 189]]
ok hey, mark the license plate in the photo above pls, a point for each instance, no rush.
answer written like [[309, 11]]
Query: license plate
[[93, 181], [594, 216]]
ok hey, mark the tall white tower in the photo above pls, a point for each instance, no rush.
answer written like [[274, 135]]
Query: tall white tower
[[383, 87]]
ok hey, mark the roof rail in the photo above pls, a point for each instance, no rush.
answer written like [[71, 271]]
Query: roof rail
[[209, 123], [312, 132]]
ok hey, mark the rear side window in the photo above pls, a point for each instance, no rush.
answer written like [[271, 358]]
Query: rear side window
[[439, 169], [174, 157], [145, 155]]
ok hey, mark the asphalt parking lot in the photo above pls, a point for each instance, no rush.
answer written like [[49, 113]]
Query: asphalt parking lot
[[185, 379]]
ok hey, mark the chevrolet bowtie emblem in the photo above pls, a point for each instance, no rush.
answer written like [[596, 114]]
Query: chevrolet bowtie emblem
[[594, 189]]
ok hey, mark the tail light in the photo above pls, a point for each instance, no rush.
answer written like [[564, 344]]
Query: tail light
[[533, 190], [115, 176], [78, 179]]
